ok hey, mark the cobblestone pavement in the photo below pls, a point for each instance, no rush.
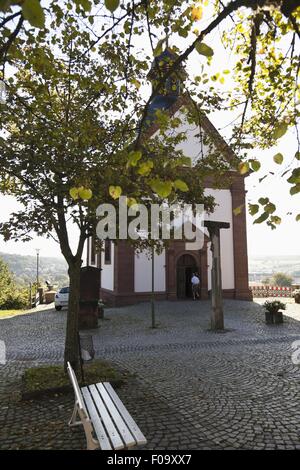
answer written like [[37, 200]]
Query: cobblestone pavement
[[191, 389]]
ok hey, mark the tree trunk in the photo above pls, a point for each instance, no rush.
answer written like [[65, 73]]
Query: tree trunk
[[71, 343]]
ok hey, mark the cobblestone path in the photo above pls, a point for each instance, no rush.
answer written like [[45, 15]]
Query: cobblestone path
[[191, 389]]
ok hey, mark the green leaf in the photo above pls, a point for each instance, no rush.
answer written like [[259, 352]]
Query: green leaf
[[243, 168], [112, 5], [162, 188], [279, 130], [204, 49], [295, 177], [136, 83], [85, 193], [145, 168], [270, 208], [275, 219], [253, 209], [159, 47], [263, 200], [4, 4], [134, 157], [131, 201], [74, 193], [255, 165], [278, 158], [295, 189], [183, 32], [115, 191], [181, 185], [34, 13], [262, 218], [297, 155], [183, 161], [238, 210], [298, 218]]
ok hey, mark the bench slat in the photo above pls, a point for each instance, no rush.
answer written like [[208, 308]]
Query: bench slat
[[112, 432], [134, 429], [99, 429], [116, 416]]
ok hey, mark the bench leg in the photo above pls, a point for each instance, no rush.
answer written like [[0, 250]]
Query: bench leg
[[73, 421], [91, 443]]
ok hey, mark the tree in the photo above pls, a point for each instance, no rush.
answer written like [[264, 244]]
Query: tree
[[6, 282], [282, 280], [69, 124], [75, 118], [12, 296], [264, 35]]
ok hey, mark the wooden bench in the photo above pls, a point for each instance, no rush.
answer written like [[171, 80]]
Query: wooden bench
[[106, 422]]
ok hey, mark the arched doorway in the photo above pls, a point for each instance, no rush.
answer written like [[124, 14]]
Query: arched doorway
[[186, 266]]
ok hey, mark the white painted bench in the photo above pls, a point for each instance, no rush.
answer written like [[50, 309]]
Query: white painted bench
[[106, 422]]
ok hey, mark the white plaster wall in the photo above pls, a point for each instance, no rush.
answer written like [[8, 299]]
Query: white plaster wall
[[191, 146], [143, 272], [223, 213], [107, 273]]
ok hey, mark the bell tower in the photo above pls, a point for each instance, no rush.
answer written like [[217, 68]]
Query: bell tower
[[171, 89]]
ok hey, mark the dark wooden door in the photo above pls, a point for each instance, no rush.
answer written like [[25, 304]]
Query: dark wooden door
[[186, 266], [188, 280], [181, 282]]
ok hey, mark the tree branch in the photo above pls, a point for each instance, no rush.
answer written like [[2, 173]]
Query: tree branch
[[230, 8], [4, 50], [9, 18]]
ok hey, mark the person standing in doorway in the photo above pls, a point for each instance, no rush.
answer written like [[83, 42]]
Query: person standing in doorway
[[195, 285]]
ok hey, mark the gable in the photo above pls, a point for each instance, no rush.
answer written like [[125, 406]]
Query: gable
[[200, 140]]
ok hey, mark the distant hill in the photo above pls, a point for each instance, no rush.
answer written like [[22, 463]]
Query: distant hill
[[53, 270], [261, 267]]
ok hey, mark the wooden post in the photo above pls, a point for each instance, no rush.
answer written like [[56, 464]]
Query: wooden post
[[217, 318]]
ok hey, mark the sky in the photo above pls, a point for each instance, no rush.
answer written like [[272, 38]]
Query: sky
[[284, 240], [261, 239]]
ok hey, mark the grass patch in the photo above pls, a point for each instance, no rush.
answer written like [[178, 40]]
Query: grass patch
[[47, 380], [11, 313]]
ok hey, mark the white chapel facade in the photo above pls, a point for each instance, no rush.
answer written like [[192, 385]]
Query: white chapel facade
[[126, 275]]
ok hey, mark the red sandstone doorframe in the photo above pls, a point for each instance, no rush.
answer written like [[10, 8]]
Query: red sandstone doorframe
[[175, 250]]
